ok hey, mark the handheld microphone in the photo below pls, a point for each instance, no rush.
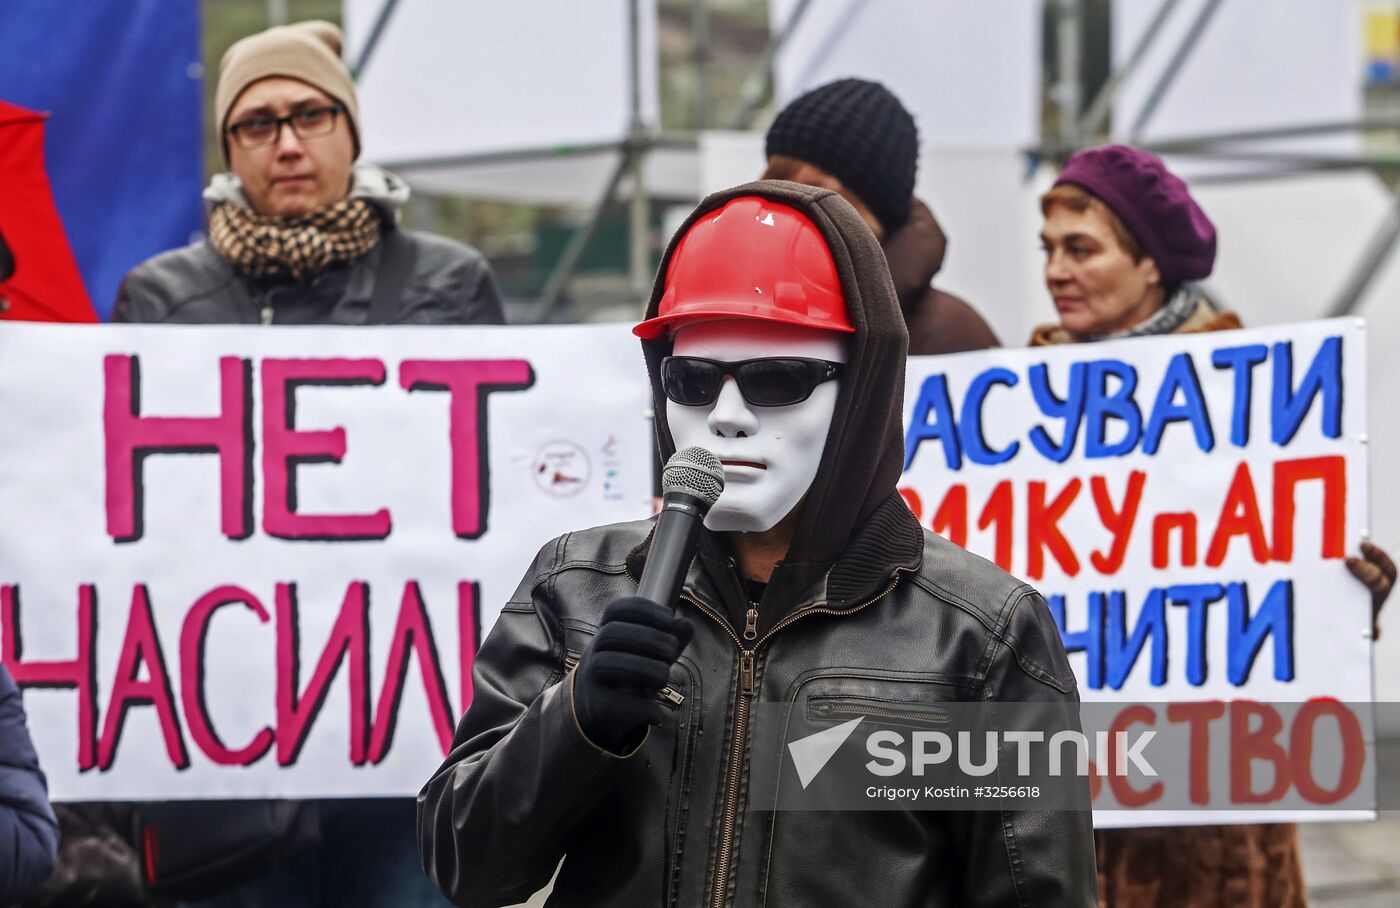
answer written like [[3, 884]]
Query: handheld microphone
[[691, 482]]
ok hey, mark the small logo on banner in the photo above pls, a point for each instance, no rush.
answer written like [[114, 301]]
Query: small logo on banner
[[561, 468], [812, 753]]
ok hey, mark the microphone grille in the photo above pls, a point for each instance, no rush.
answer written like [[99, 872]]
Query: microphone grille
[[694, 471]]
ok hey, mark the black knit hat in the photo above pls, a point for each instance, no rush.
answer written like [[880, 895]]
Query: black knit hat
[[859, 133]]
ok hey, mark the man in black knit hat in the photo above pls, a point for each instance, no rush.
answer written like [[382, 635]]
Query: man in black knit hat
[[854, 137]]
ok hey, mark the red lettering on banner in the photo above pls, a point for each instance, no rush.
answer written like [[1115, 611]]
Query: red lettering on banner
[[1119, 522], [1300, 741], [1162, 525], [1126, 794], [468, 382], [78, 673], [1043, 530], [999, 511], [1249, 744], [141, 647], [412, 634], [192, 639], [1332, 472], [950, 520], [285, 446], [349, 642], [1239, 516], [913, 502], [131, 438], [1198, 716]]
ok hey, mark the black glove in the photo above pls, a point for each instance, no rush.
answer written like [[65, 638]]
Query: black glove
[[619, 674]]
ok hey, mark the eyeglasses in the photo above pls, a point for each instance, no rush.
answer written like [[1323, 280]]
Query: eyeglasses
[[310, 123], [770, 382]]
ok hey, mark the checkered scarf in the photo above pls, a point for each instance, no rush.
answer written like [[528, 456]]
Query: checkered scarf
[[299, 247]]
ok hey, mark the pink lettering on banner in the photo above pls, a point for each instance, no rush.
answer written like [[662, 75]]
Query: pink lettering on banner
[[468, 635], [141, 647], [79, 673], [349, 642], [285, 446], [468, 382], [192, 639], [412, 635], [131, 437]]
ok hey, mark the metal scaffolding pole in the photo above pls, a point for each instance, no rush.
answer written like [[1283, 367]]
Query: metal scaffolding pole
[[1378, 252], [761, 77], [553, 289], [372, 42], [1069, 91], [637, 224], [700, 30], [1168, 76], [1095, 117], [631, 162]]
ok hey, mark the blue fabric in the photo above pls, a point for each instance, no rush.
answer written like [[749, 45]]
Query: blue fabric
[[28, 830], [368, 857], [122, 80]]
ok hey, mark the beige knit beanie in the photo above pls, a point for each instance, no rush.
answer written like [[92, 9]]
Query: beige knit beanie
[[309, 51]]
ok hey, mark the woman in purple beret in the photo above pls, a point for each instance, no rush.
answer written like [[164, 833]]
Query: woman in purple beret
[[1124, 243]]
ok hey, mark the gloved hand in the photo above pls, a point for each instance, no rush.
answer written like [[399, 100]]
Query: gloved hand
[[626, 664]]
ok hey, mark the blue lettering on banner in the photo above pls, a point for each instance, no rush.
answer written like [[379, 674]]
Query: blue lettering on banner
[[1070, 409], [1101, 398], [974, 442], [1123, 651], [1242, 359], [1324, 376], [1180, 376], [1111, 652], [1101, 406], [933, 401], [1247, 634]]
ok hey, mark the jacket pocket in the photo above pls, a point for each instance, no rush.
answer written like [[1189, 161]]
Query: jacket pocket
[[843, 709]]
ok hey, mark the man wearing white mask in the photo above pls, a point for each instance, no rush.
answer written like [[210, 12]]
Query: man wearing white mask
[[616, 733]]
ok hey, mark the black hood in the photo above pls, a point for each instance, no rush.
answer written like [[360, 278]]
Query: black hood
[[863, 458]]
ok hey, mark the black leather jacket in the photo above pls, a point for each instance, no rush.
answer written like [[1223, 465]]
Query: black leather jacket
[[450, 284], [524, 787]]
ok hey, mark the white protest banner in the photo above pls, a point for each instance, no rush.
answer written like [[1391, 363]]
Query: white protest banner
[[1185, 504], [241, 562]]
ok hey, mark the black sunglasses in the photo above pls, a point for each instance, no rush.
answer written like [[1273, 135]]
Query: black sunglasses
[[769, 382]]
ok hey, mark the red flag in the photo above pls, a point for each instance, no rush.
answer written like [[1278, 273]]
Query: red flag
[[45, 285]]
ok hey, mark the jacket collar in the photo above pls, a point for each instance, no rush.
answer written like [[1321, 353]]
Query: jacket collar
[[888, 542]]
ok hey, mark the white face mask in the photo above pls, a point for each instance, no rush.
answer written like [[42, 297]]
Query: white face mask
[[770, 454]]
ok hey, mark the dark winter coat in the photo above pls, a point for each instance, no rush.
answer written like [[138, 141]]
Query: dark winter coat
[[450, 284], [28, 829], [938, 322], [866, 604]]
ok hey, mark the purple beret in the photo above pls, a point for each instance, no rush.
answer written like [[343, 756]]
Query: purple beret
[[1152, 203]]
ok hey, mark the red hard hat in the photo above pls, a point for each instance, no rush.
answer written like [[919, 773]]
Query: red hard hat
[[751, 258]]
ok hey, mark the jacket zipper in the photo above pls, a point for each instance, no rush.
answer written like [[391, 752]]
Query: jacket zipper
[[729, 818], [730, 815]]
